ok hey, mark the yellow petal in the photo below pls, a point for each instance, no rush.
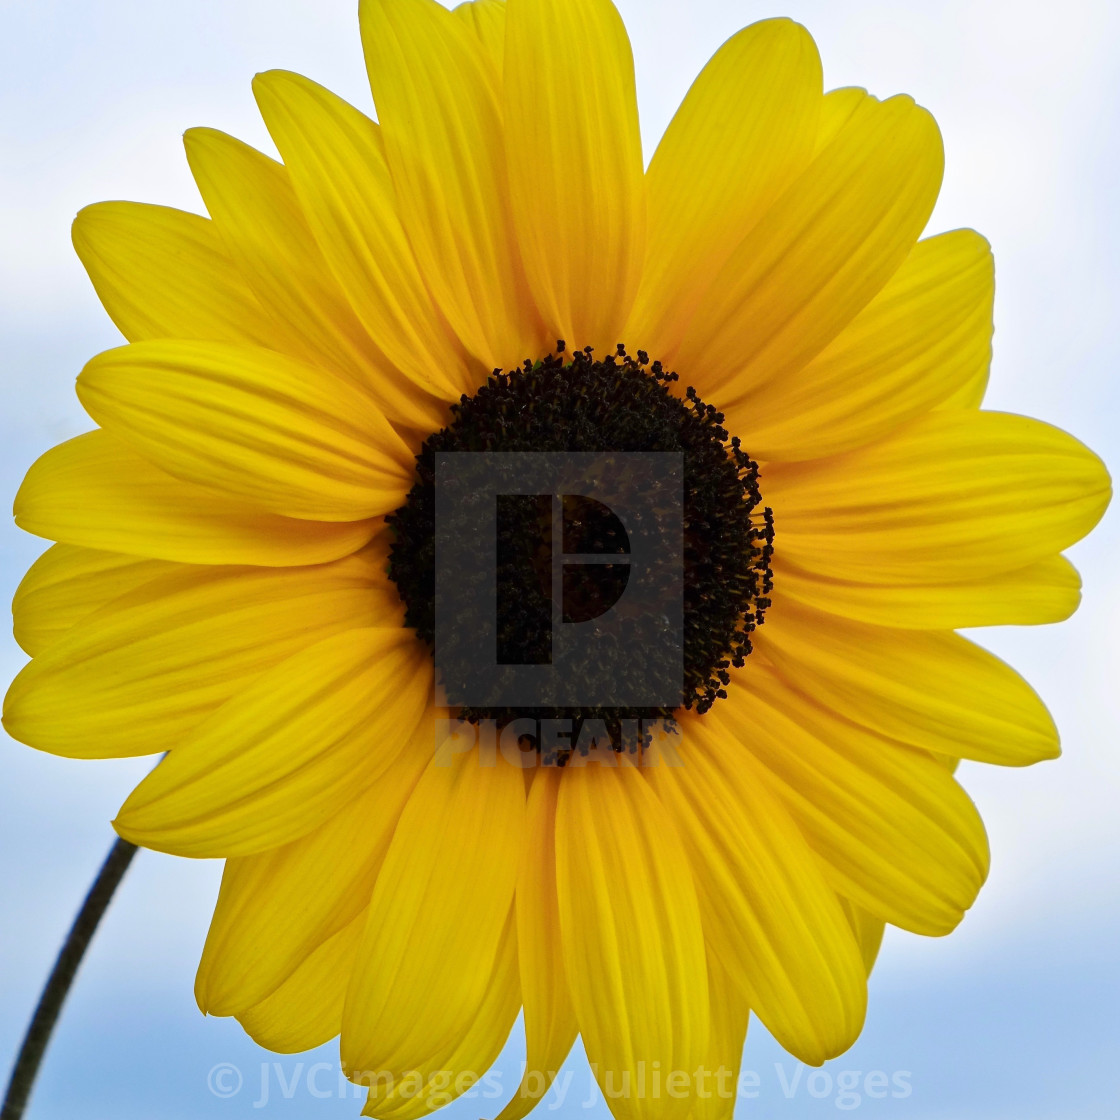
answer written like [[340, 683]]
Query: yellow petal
[[441, 902], [954, 495], [258, 215], [96, 492], [926, 688], [277, 907], [770, 917], [255, 425], [487, 18], [448, 1076], [716, 1082], [971, 393], [550, 1019], [820, 254], [337, 162], [1047, 591], [893, 830], [67, 584], [164, 273], [868, 932], [437, 103], [306, 1010], [278, 759], [139, 675], [630, 923], [744, 133], [837, 110], [575, 164], [925, 336]]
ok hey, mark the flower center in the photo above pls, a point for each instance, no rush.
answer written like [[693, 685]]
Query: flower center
[[621, 404]]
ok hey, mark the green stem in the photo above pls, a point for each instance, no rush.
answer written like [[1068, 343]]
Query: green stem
[[43, 1022]]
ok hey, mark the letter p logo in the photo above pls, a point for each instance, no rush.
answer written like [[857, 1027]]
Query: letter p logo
[[559, 578]]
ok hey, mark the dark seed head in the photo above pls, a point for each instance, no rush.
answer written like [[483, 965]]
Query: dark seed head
[[576, 403]]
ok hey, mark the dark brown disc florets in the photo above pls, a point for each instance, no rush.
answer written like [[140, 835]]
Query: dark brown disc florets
[[620, 403]]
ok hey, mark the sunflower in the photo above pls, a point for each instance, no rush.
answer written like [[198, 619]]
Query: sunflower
[[243, 573]]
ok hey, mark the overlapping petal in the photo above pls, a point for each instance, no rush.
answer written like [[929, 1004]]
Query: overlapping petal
[[278, 906], [868, 932], [1047, 591], [955, 495], [136, 677], [924, 337], [892, 828], [336, 159], [488, 20], [442, 899], [67, 584], [437, 101], [278, 759], [929, 689], [971, 393], [447, 1076], [743, 134], [576, 180], [550, 1019], [164, 273], [255, 425], [716, 1082], [770, 917], [820, 253], [630, 923], [306, 1010], [95, 491], [255, 208]]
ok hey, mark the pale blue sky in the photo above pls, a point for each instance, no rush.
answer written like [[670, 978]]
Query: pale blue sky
[[1011, 1017]]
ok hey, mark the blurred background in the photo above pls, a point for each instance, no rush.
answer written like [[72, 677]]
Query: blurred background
[[1013, 1016]]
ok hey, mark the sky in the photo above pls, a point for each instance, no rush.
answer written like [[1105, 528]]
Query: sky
[[1013, 1016]]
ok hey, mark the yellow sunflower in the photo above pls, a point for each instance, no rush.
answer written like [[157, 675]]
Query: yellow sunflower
[[225, 586]]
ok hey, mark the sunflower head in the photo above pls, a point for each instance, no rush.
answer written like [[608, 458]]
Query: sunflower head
[[715, 524]]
